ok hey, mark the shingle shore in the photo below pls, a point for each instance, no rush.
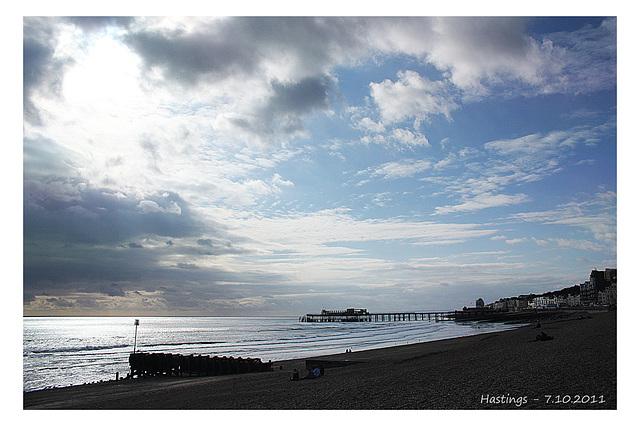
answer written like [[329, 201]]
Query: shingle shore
[[501, 370]]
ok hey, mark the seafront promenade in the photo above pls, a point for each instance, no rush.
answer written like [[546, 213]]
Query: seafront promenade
[[501, 370]]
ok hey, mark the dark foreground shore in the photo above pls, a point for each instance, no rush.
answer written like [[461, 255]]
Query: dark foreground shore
[[503, 370]]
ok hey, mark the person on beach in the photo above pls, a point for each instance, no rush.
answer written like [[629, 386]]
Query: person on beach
[[316, 371], [310, 374], [543, 337], [295, 375]]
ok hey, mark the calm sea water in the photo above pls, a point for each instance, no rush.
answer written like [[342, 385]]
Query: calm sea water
[[67, 351]]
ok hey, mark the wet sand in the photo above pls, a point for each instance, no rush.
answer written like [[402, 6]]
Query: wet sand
[[501, 370]]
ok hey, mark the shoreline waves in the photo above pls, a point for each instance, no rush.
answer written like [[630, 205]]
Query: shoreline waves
[[68, 351], [498, 370]]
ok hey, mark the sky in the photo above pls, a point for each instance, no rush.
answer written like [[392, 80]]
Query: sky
[[278, 166]]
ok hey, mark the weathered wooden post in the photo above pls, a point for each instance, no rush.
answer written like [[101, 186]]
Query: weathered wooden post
[[136, 323]]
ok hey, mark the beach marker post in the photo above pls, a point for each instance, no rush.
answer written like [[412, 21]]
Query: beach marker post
[[136, 323]]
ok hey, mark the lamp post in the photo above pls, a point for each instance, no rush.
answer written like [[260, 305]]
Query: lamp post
[[136, 323]]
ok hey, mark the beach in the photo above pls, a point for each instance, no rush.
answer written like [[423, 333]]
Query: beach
[[499, 370]]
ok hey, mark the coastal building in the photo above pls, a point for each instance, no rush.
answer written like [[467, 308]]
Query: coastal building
[[608, 296], [586, 293], [540, 302], [610, 275], [598, 282], [506, 304], [600, 289], [573, 300], [522, 302], [480, 303]]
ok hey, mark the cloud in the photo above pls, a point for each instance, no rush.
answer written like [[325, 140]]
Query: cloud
[[482, 201], [314, 232], [596, 214], [72, 211], [483, 49], [378, 133], [187, 266], [489, 173], [42, 69], [60, 302], [266, 75], [112, 290], [535, 146], [582, 245], [412, 96], [517, 240], [301, 97], [282, 110], [149, 206], [479, 57], [398, 169], [581, 61]]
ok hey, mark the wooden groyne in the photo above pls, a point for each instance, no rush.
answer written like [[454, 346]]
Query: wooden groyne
[[156, 364]]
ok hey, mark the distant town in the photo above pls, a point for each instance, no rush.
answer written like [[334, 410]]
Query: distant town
[[598, 291]]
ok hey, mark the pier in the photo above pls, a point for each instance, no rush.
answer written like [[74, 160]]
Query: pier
[[467, 314], [362, 315]]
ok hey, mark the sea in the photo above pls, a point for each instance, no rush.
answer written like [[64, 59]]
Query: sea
[[68, 351]]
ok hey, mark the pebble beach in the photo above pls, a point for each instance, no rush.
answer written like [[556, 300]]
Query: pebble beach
[[502, 370]]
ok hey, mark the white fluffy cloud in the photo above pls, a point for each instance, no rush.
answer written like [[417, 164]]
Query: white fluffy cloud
[[398, 169], [412, 96], [483, 201]]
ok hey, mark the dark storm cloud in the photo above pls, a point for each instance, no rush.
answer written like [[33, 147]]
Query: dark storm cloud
[[60, 302], [285, 110], [190, 57], [187, 266], [304, 96], [216, 247], [251, 47], [41, 71], [83, 267], [112, 290], [80, 239], [71, 211], [205, 242], [236, 46], [117, 271]]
